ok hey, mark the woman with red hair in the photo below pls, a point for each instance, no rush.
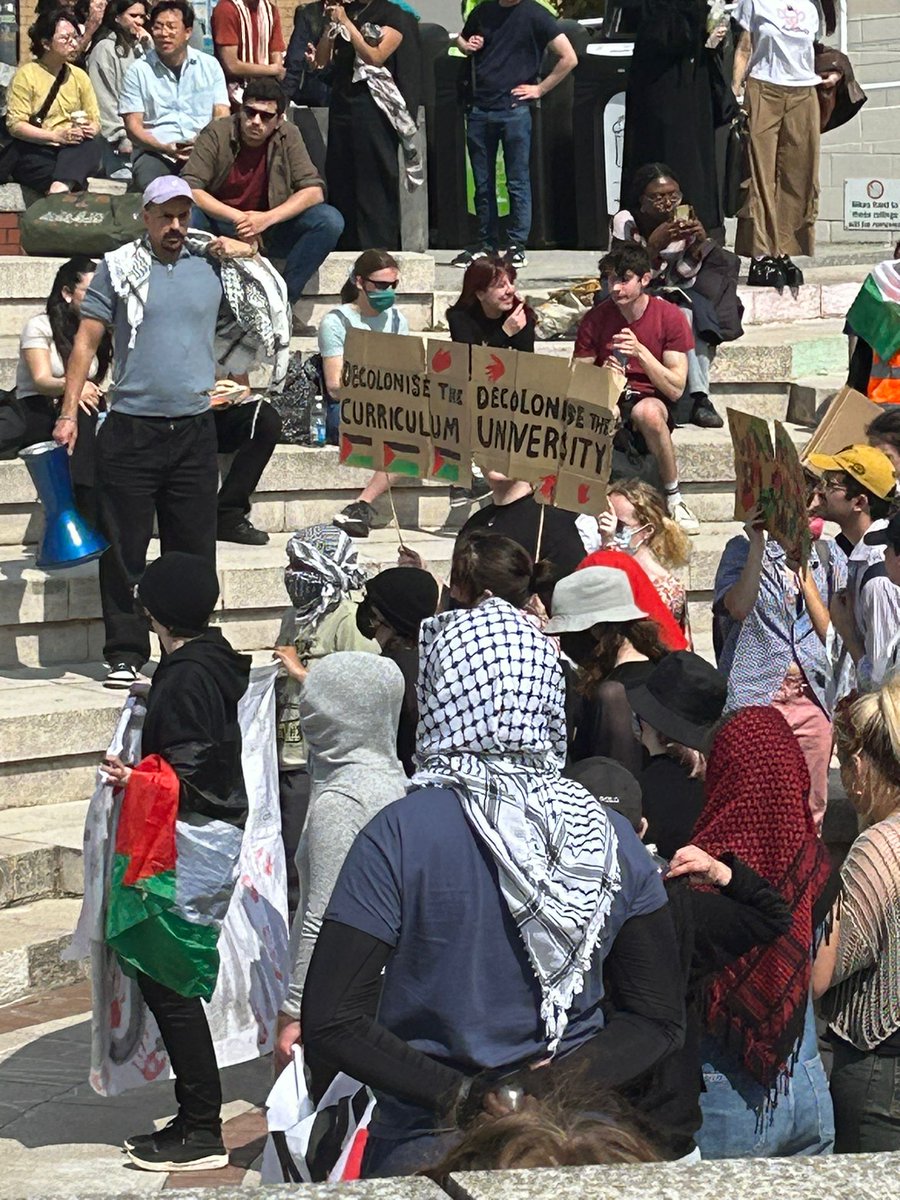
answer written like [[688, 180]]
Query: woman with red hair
[[765, 1093], [489, 311]]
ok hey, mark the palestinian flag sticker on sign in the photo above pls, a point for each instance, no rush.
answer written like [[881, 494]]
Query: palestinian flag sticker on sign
[[357, 452], [445, 466], [401, 459]]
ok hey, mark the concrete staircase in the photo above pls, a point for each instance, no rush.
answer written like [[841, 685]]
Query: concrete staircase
[[56, 719]]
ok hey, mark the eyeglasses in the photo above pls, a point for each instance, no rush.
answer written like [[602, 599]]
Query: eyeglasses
[[166, 28], [665, 200], [72, 38], [382, 285], [250, 112], [830, 484]]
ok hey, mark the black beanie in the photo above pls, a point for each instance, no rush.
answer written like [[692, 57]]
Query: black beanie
[[180, 591], [404, 596]]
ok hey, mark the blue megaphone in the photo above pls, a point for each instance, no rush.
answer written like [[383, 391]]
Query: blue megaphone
[[68, 539]]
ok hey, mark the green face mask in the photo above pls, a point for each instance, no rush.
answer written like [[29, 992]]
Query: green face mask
[[382, 301]]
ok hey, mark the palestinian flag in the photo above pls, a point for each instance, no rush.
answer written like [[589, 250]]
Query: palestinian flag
[[875, 313], [402, 459], [357, 452], [147, 922], [445, 465]]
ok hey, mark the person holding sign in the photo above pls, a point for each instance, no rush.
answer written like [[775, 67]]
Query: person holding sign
[[647, 340], [774, 620], [367, 302]]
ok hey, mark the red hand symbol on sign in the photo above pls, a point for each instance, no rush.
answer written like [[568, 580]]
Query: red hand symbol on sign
[[442, 360], [584, 493], [547, 485], [495, 369]]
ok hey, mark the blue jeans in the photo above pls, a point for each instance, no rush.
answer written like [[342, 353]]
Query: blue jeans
[[735, 1122], [486, 131], [304, 241], [699, 360]]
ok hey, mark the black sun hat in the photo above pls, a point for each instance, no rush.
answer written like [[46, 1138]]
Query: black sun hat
[[682, 698]]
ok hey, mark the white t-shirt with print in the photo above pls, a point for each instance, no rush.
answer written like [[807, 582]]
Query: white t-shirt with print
[[783, 32]]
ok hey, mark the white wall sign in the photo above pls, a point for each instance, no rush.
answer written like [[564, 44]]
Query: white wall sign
[[613, 149], [872, 203]]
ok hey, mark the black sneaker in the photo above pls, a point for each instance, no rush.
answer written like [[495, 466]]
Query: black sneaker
[[172, 1131], [244, 532], [704, 414], [766, 272], [516, 257], [356, 519], [180, 1150], [121, 676], [792, 273], [465, 258]]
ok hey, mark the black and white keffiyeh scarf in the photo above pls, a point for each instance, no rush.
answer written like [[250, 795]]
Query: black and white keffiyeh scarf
[[322, 568], [492, 728]]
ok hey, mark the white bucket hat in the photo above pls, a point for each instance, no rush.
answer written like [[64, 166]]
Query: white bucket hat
[[590, 597]]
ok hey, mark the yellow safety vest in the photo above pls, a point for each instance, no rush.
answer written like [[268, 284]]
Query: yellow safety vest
[[884, 380]]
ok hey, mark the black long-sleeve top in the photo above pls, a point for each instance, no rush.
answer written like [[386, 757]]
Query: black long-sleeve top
[[713, 929], [340, 1032], [474, 327]]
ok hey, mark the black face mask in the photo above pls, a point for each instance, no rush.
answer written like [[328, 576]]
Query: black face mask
[[366, 621], [579, 646]]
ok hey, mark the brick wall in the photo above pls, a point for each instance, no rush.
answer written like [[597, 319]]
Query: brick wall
[[9, 234]]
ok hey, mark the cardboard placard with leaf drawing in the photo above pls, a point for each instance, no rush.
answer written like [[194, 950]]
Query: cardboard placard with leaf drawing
[[492, 384], [788, 521], [753, 462], [447, 366], [583, 468], [385, 419]]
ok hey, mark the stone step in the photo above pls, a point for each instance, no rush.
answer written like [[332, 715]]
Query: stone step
[[32, 937], [40, 853]]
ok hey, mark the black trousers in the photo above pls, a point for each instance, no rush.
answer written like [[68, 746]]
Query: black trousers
[[250, 432], [293, 791], [38, 165], [363, 173], [185, 1033], [150, 467]]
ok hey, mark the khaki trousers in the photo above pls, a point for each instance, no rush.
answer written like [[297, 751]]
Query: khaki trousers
[[780, 212]]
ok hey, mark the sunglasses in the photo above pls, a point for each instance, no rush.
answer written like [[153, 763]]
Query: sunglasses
[[250, 112], [382, 285]]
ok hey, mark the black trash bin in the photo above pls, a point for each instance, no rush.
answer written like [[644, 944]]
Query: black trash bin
[[598, 138], [452, 226]]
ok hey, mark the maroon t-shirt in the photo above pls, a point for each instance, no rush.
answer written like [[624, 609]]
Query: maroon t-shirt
[[662, 327], [246, 186]]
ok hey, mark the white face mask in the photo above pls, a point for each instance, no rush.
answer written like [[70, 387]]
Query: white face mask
[[624, 536]]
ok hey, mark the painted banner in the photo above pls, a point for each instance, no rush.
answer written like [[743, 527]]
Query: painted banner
[[589, 422], [753, 462], [789, 521], [385, 419], [447, 365]]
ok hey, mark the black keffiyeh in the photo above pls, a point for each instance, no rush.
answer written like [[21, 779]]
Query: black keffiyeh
[[492, 728]]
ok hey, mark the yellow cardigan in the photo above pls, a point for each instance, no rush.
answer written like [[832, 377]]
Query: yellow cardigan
[[28, 91]]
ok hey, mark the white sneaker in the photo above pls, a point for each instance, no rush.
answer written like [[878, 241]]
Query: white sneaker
[[684, 517]]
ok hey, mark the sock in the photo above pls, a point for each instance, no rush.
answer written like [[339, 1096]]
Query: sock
[[673, 494]]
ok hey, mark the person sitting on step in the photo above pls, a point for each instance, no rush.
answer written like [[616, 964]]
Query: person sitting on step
[[647, 340]]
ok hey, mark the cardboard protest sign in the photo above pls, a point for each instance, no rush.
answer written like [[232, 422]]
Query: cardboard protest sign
[[583, 467], [447, 365], [385, 418], [789, 521], [753, 463], [844, 424]]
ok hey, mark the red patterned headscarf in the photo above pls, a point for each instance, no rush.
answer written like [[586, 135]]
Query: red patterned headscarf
[[757, 807], [646, 597]]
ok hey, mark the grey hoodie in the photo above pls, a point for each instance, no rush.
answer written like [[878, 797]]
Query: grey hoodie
[[349, 711]]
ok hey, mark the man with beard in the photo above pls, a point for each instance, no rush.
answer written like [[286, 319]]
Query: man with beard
[[156, 452]]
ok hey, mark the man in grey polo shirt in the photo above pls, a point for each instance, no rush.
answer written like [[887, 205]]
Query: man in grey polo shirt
[[156, 449]]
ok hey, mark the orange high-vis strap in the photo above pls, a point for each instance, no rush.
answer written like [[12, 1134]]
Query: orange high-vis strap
[[884, 380]]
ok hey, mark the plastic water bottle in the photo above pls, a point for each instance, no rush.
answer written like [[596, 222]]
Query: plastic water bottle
[[317, 422]]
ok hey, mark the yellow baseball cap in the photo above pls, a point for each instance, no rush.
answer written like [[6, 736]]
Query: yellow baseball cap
[[868, 466]]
